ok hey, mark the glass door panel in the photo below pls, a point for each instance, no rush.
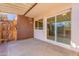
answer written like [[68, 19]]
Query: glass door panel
[[63, 25], [51, 28]]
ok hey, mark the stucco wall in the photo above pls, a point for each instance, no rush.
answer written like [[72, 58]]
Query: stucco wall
[[75, 25]]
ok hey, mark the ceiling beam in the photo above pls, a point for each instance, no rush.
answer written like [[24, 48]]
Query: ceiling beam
[[30, 9]]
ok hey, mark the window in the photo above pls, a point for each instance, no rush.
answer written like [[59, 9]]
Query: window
[[39, 24]]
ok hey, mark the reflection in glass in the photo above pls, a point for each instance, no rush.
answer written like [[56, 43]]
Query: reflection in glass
[[64, 28], [39, 24], [36, 24], [51, 28]]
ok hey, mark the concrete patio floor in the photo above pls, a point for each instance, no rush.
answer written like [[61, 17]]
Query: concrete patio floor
[[33, 47]]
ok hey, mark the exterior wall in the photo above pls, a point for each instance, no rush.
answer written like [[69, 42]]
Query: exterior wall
[[75, 23], [24, 27], [38, 33]]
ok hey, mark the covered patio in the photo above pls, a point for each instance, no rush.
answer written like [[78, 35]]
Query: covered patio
[[39, 29]]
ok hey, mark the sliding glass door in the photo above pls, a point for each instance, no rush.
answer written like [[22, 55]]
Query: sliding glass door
[[59, 28]]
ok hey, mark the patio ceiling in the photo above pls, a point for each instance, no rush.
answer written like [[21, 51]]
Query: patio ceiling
[[32, 9], [16, 8]]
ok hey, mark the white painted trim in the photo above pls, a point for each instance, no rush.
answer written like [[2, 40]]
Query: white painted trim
[[55, 29]]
